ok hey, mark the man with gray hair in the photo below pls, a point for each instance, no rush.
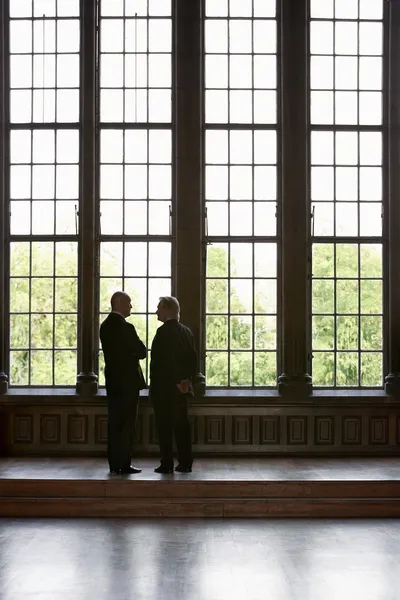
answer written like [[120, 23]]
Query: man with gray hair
[[173, 368]]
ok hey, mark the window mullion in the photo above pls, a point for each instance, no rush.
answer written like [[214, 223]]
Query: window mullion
[[392, 22], [188, 209], [87, 380], [4, 187], [295, 210]]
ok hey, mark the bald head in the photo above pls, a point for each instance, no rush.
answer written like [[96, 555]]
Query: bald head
[[121, 302]]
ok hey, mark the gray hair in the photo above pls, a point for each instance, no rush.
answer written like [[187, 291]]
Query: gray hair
[[171, 304]]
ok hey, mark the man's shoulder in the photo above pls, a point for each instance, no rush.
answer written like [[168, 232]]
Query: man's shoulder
[[105, 322], [185, 328], [113, 321]]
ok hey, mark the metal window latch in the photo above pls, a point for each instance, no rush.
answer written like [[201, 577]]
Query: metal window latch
[[76, 219], [170, 219], [312, 220]]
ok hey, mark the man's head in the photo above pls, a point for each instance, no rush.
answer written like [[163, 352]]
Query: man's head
[[167, 308], [121, 302]]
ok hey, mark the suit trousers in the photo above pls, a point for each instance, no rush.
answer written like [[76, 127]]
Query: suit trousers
[[122, 417], [171, 414]]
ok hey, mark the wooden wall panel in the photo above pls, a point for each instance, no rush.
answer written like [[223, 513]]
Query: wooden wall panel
[[81, 429], [324, 431], [50, 429], [215, 430], [101, 435], [297, 430], [242, 430], [77, 429], [378, 430], [23, 429], [270, 430], [351, 431]]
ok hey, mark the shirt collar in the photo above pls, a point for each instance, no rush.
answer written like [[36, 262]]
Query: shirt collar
[[115, 312]]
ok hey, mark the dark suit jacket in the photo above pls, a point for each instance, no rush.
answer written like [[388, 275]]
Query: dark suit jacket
[[122, 350], [173, 356]]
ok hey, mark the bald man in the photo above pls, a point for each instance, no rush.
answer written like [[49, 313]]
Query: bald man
[[124, 379]]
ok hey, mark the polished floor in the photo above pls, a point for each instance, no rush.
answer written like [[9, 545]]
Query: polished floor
[[206, 469], [199, 560]]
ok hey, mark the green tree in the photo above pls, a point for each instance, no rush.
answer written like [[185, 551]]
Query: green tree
[[243, 349], [347, 309], [43, 307]]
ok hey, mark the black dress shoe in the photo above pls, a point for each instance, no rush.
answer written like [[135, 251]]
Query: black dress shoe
[[115, 471], [164, 470], [130, 471], [183, 469]]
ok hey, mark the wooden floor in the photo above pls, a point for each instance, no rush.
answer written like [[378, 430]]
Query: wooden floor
[[207, 469], [218, 488], [199, 560]]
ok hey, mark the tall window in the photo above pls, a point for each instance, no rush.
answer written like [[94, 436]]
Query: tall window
[[43, 191], [135, 156], [241, 192], [346, 44]]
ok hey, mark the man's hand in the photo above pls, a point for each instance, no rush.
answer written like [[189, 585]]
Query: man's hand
[[184, 386]]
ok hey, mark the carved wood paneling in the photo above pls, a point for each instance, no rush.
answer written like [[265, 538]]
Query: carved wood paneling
[[23, 429], [242, 429], [351, 431], [270, 430], [50, 429], [100, 429], [324, 431], [77, 429], [378, 430], [297, 430], [214, 430], [225, 429]]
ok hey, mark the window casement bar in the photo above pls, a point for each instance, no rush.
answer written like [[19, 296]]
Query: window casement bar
[[50, 125], [344, 20], [348, 240], [131, 125], [243, 126], [135, 238], [42, 238], [356, 128], [241, 239]]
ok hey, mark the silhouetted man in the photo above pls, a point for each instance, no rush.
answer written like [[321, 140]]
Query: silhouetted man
[[124, 379], [173, 367]]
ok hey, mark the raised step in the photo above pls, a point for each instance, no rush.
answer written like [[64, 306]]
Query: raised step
[[191, 498]]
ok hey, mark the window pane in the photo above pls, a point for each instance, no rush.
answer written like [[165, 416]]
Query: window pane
[[44, 189], [43, 307], [346, 47], [241, 192], [245, 263]]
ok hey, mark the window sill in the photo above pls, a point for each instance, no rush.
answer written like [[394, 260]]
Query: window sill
[[326, 397]]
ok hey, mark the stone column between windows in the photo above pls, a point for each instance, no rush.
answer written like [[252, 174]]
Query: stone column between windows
[[87, 380], [294, 379], [188, 154], [4, 212], [392, 380]]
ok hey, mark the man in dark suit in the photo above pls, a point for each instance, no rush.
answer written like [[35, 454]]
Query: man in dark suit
[[172, 370], [124, 379]]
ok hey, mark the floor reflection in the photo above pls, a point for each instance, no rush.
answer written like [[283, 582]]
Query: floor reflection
[[199, 560]]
